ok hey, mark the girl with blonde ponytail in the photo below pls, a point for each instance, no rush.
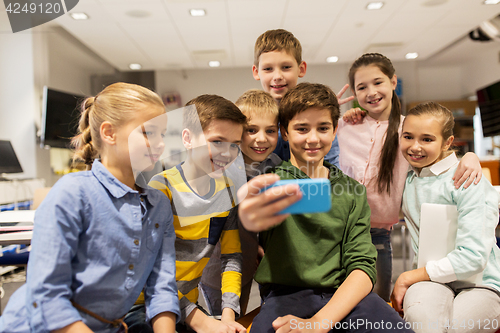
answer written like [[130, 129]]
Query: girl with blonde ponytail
[[99, 238]]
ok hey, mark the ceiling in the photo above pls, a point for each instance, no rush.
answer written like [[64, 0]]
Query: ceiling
[[161, 34]]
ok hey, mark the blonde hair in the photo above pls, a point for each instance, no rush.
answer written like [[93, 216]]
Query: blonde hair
[[117, 104], [208, 108], [255, 102], [277, 40], [436, 110]]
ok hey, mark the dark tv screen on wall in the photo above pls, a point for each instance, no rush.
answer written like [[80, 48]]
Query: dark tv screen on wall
[[488, 101], [60, 115]]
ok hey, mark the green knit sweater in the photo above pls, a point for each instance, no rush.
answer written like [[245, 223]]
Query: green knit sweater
[[320, 250]]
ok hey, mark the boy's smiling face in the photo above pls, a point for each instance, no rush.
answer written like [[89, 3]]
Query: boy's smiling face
[[278, 72], [215, 149], [260, 137], [310, 134]]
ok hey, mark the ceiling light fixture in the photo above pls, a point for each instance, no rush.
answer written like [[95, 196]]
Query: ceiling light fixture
[[432, 3], [411, 55], [138, 13], [491, 2], [332, 59], [135, 67], [197, 12], [374, 5], [214, 63], [79, 16]]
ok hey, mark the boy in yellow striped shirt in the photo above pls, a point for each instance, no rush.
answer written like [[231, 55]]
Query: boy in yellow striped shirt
[[202, 195]]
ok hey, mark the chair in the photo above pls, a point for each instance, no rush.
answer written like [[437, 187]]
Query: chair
[[40, 194], [247, 319], [486, 173]]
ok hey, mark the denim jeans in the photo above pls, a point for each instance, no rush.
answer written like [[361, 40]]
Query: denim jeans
[[371, 314], [136, 320], [381, 238]]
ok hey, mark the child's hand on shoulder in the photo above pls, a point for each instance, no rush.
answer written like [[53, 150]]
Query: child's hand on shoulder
[[258, 210], [354, 115], [295, 324], [468, 169]]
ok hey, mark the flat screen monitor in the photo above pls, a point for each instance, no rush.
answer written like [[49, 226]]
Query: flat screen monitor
[[488, 100], [60, 116], [8, 158]]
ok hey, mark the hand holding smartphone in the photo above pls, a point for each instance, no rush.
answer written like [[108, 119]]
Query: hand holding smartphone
[[316, 195]]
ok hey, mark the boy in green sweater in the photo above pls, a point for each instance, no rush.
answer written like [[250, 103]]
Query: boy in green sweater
[[319, 269]]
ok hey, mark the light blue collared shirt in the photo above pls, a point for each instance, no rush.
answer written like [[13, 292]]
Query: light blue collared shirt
[[475, 244], [99, 243]]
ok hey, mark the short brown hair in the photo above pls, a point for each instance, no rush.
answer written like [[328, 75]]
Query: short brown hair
[[277, 40], [257, 102], [208, 108], [305, 96]]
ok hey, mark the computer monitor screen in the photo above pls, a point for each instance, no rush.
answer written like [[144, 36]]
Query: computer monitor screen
[[488, 100], [60, 116], [8, 159]]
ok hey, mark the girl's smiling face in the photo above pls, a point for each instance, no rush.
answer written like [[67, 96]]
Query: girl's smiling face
[[373, 90], [422, 142]]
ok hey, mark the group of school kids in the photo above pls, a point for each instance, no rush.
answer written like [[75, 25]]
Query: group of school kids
[[109, 255]]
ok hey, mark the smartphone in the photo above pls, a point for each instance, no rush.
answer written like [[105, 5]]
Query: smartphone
[[316, 195]]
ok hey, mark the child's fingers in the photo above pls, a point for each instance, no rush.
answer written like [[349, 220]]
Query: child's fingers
[[470, 180], [342, 91], [255, 185], [280, 321], [238, 327], [342, 101], [462, 179], [479, 175]]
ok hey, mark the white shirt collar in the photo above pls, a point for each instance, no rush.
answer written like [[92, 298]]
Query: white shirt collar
[[438, 168]]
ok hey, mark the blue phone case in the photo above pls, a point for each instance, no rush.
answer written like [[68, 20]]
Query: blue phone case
[[316, 195]]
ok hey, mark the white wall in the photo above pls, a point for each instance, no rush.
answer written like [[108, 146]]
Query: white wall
[[440, 78], [29, 60], [66, 65], [17, 94], [231, 83], [50, 56]]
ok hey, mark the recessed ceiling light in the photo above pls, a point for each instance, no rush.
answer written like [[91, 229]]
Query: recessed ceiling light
[[214, 63], [135, 67], [411, 55], [197, 12], [138, 13], [332, 59], [491, 2], [374, 5], [79, 16], [432, 3]]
